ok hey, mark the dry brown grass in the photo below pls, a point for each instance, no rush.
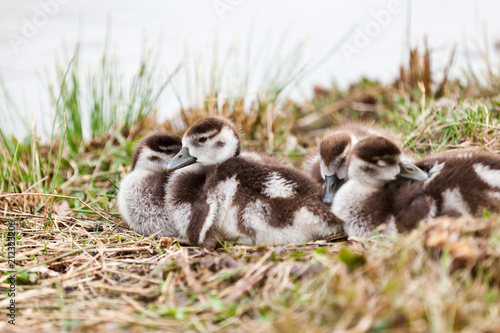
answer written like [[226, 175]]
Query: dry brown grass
[[442, 277]]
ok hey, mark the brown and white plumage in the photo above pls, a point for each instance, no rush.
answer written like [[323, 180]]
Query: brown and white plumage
[[141, 197], [245, 201], [463, 182], [327, 164], [457, 183], [374, 192], [187, 187]]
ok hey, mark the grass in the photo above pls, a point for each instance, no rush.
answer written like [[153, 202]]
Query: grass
[[81, 269]]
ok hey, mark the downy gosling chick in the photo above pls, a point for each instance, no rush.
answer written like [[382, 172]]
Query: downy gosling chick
[[373, 195], [186, 188], [327, 163], [245, 201], [141, 197]]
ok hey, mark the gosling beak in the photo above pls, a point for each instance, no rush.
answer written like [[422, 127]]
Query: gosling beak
[[332, 185], [181, 160], [411, 171]]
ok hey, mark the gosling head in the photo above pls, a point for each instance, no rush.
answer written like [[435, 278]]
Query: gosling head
[[333, 151], [209, 141], [375, 161], [155, 151]]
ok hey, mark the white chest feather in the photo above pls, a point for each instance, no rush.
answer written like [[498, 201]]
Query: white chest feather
[[348, 206]]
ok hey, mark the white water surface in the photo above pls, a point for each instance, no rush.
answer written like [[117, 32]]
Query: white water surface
[[193, 27]]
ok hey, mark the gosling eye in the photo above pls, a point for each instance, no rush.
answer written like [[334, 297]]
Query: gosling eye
[[203, 139], [166, 149]]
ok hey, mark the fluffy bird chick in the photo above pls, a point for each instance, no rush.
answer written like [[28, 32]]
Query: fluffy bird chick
[[244, 200], [141, 197], [374, 193], [327, 165], [186, 188]]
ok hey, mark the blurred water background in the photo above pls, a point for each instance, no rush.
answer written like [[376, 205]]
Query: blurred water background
[[330, 42]]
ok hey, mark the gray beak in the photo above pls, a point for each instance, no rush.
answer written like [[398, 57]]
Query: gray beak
[[332, 185], [411, 171], [181, 160]]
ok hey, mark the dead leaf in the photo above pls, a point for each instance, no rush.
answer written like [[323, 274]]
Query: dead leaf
[[165, 242], [463, 251]]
